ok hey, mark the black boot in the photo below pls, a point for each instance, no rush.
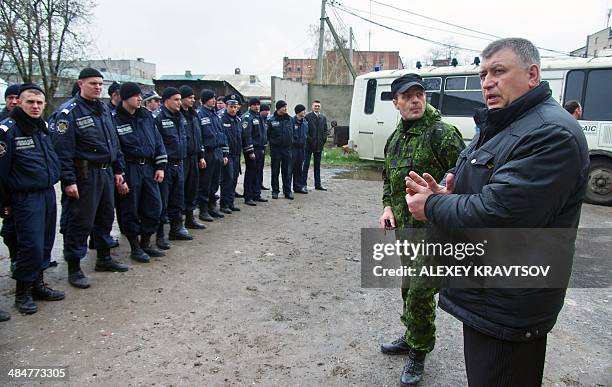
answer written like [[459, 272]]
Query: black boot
[[145, 245], [105, 262], [204, 215], [76, 277], [413, 370], [4, 315], [214, 213], [12, 248], [178, 232], [40, 290], [137, 254], [396, 347], [191, 223], [160, 238], [23, 298]]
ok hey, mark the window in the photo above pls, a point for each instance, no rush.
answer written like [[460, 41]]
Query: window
[[598, 96], [298, 69], [370, 97], [386, 96], [462, 96], [573, 86], [432, 90], [289, 69]]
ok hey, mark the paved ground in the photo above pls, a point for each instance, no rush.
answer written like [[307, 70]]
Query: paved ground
[[269, 296]]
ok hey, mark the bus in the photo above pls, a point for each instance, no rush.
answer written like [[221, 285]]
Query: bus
[[455, 92]]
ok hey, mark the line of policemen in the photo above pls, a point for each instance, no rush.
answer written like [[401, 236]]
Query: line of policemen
[[153, 168]]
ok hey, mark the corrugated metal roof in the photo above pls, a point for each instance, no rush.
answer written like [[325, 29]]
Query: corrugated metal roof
[[108, 77], [240, 82]]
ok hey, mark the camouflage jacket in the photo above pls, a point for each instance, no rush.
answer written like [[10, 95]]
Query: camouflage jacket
[[429, 145]]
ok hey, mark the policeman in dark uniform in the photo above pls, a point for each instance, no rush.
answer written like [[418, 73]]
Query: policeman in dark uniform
[[280, 135], [195, 156], [171, 124], [29, 168], [213, 141], [151, 101], [233, 133], [254, 130], [300, 133], [145, 157], [115, 97], [86, 142], [264, 112], [11, 98]]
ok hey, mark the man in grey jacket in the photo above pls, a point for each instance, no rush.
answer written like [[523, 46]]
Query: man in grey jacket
[[527, 168]]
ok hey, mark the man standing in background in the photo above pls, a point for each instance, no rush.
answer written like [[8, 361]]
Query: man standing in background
[[317, 135]]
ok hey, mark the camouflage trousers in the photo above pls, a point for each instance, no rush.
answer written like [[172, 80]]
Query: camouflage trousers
[[419, 312]]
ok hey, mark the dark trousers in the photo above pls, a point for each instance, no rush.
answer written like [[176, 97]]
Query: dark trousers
[[9, 235], [192, 177], [172, 192], [317, 167], [229, 179], [297, 161], [281, 162], [208, 183], [261, 161], [493, 362], [35, 214], [251, 180], [93, 212], [141, 208]]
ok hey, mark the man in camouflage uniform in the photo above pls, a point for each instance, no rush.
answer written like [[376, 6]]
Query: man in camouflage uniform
[[421, 142]]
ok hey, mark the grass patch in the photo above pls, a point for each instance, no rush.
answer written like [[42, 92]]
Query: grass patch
[[335, 157]]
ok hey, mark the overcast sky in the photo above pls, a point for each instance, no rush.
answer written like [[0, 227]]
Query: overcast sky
[[218, 36]]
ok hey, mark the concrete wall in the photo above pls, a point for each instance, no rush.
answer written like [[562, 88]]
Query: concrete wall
[[289, 91]]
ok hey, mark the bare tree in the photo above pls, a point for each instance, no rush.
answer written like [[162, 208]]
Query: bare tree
[[335, 70], [40, 38]]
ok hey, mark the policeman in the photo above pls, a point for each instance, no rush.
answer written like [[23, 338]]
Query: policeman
[[280, 135], [11, 98], [145, 158], [115, 98], [421, 142], [171, 124], [151, 101], [300, 132], [233, 133], [29, 168], [213, 140], [195, 156], [220, 106], [86, 142], [264, 112], [254, 128]]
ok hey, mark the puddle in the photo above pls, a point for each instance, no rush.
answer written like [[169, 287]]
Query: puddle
[[371, 174]]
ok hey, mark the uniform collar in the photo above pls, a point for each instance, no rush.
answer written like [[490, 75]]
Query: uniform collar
[[420, 126]]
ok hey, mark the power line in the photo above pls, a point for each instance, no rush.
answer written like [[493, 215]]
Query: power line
[[358, 49]]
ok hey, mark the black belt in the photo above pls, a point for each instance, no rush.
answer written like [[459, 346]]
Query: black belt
[[93, 164], [211, 148], [175, 162], [138, 160]]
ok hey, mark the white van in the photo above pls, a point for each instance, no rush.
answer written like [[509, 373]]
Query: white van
[[455, 91]]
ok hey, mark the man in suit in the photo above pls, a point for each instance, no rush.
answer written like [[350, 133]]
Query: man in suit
[[317, 135]]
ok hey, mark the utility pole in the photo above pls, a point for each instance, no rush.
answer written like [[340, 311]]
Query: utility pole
[[370, 28], [350, 53], [341, 49], [321, 42]]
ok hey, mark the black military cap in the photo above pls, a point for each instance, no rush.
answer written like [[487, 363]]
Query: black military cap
[[264, 108], [186, 91], [169, 92], [12, 90], [88, 72], [206, 95], [299, 108], [254, 101], [128, 90], [405, 82], [280, 104], [30, 86], [232, 99], [113, 88]]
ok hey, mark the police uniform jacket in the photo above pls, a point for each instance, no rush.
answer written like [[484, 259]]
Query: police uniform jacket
[[84, 130], [171, 126], [233, 133], [280, 130], [256, 127], [194, 133], [300, 131], [212, 130], [139, 137]]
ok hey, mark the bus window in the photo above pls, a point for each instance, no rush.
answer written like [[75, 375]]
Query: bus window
[[473, 83], [457, 100], [574, 86], [598, 96], [432, 90], [370, 97], [386, 96]]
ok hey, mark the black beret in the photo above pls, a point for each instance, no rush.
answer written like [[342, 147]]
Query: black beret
[[405, 82], [299, 108], [280, 104], [113, 88], [88, 72], [232, 99], [169, 92], [264, 108], [254, 101], [30, 86], [128, 90], [206, 95], [12, 90], [186, 91]]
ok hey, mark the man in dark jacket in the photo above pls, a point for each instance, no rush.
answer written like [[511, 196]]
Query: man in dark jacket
[[300, 132], [280, 136], [254, 134], [317, 135], [527, 168]]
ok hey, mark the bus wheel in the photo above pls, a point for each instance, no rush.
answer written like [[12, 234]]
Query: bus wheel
[[599, 189]]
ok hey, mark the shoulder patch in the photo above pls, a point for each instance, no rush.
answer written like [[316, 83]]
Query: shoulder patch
[[6, 124], [2, 149], [245, 125], [68, 108], [61, 126]]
